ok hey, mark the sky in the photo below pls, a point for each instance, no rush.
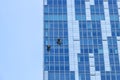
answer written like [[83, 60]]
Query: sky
[[20, 40]]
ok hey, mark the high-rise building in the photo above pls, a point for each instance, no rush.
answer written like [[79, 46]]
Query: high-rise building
[[81, 39]]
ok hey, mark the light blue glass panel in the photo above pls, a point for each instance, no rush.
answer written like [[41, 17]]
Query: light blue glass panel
[[55, 17], [97, 17], [46, 9], [114, 17], [81, 17]]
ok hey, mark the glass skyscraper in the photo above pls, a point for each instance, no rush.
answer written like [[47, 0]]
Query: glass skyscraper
[[81, 40]]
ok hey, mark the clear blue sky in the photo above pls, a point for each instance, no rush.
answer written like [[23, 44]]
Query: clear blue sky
[[20, 40]]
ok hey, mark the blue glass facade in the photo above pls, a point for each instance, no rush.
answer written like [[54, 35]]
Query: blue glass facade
[[89, 31], [56, 61]]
